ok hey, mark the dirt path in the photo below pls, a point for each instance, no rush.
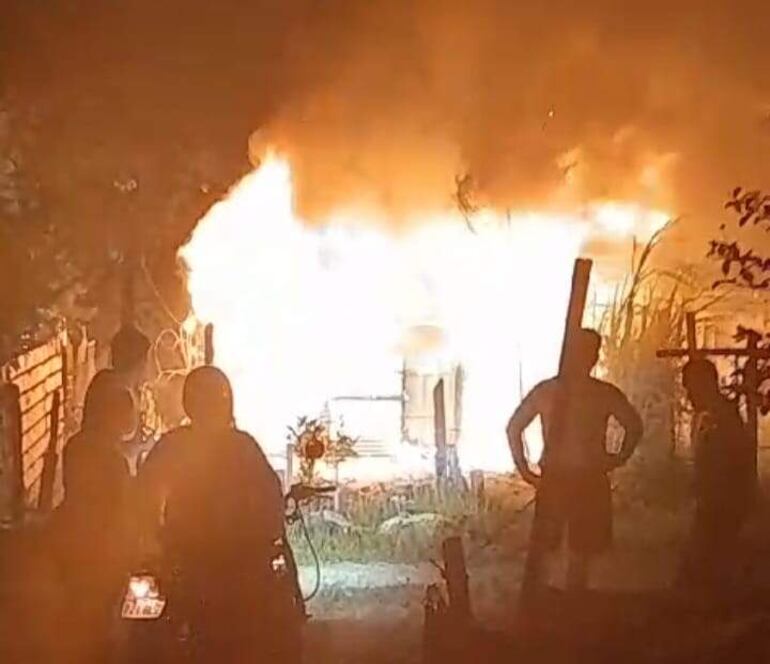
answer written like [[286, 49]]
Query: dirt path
[[374, 612], [367, 613]]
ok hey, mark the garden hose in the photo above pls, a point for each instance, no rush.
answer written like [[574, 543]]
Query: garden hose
[[314, 553]]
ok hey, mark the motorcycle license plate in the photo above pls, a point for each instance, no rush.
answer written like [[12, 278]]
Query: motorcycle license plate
[[143, 608]]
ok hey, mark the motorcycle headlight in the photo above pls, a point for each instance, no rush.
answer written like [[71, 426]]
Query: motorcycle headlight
[[141, 587], [278, 564]]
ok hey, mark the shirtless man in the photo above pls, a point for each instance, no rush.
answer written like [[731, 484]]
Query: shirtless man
[[572, 489]]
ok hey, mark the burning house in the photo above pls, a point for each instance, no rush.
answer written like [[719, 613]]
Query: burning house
[[345, 319]]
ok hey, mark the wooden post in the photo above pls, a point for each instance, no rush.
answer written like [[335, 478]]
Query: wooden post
[[692, 337], [751, 376], [458, 404], [10, 430], [581, 275], [402, 402], [435, 627], [456, 576], [691, 344], [289, 479], [50, 458], [478, 488], [439, 428], [208, 341]]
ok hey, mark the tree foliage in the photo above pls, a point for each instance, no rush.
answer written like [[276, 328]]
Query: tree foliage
[[115, 153], [740, 265], [34, 262], [738, 386], [71, 223], [747, 267]]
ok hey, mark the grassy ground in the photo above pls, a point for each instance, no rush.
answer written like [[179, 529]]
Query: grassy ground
[[652, 513], [420, 519], [633, 617]]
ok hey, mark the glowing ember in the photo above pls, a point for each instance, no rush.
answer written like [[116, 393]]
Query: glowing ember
[[304, 314]]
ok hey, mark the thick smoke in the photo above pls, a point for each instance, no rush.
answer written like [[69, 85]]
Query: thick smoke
[[386, 101], [542, 103]]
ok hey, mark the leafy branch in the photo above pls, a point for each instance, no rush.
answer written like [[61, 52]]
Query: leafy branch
[[744, 267], [740, 266], [737, 385], [752, 207], [313, 442]]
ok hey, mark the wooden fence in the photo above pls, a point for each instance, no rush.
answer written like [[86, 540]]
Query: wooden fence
[[40, 396]]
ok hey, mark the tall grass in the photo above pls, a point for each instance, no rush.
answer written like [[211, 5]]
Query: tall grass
[[647, 314]]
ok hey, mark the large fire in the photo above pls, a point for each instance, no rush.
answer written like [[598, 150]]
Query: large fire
[[306, 313]]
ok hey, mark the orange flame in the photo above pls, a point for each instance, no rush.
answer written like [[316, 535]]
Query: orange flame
[[306, 313]]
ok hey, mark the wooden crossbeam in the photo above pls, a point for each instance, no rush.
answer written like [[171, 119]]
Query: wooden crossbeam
[[756, 353], [692, 350], [47, 499]]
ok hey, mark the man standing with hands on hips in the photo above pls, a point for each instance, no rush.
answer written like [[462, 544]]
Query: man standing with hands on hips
[[573, 489]]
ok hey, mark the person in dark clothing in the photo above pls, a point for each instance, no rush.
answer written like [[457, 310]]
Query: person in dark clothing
[[129, 350], [573, 490], [107, 415], [222, 512], [725, 484], [93, 525]]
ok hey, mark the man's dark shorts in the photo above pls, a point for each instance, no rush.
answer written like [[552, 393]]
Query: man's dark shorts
[[579, 503]]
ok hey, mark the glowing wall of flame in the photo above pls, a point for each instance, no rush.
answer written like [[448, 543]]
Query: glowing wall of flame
[[305, 312]]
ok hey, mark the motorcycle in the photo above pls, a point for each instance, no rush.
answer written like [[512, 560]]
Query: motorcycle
[[161, 618]]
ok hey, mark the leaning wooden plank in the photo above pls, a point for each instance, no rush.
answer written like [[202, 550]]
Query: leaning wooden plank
[[581, 275], [50, 458]]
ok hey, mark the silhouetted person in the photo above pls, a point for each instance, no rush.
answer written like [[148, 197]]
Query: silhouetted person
[[93, 525], [724, 478], [222, 510], [129, 350], [572, 490]]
